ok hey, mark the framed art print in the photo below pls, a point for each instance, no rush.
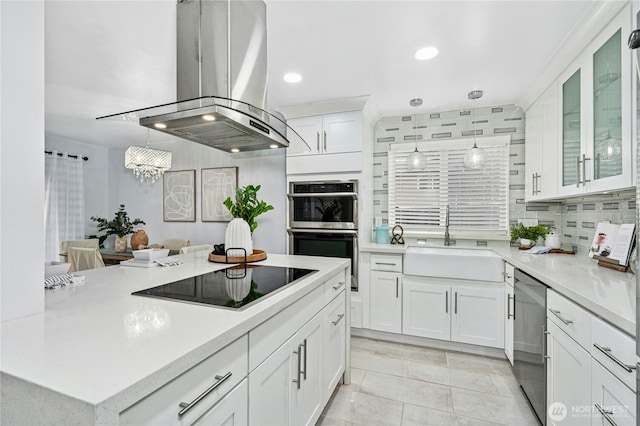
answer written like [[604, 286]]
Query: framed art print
[[217, 185], [179, 196]]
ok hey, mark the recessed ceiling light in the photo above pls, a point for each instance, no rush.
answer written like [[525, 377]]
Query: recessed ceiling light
[[292, 77], [208, 117], [426, 53], [273, 146], [160, 126], [235, 150]]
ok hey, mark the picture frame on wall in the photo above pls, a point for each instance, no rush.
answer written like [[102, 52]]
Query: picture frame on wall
[[179, 196], [217, 184]]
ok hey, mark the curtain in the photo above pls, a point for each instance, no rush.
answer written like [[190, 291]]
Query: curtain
[[64, 202]]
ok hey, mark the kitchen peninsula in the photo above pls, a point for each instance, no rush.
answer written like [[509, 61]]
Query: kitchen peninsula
[[100, 355]]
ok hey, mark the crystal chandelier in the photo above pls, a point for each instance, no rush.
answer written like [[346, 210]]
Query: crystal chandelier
[[416, 160], [147, 164], [475, 157]]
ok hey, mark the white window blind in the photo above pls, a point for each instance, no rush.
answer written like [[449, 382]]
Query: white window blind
[[478, 199]]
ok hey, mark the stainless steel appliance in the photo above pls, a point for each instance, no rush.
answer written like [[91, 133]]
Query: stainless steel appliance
[[529, 337], [323, 205], [323, 221], [236, 287]]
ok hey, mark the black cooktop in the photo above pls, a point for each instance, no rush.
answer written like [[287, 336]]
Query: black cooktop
[[236, 287]]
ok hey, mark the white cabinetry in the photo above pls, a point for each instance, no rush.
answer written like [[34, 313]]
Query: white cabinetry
[[199, 391], [230, 411], [568, 374], [386, 293], [327, 134], [613, 402], [541, 171], [595, 152], [510, 308], [466, 312], [292, 378]]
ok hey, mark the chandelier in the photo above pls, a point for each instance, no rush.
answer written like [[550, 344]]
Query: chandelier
[[147, 164]]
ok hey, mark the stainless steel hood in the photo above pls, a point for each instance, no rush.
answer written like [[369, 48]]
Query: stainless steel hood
[[222, 79]]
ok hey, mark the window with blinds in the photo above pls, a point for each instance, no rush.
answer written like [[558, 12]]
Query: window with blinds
[[478, 199]]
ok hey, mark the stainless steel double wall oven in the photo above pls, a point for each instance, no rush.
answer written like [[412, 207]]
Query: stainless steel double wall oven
[[323, 220]]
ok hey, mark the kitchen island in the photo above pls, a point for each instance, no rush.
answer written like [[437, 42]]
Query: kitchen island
[[98, 350]]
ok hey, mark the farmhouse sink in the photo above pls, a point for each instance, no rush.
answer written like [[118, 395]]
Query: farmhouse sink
[[466, 264]]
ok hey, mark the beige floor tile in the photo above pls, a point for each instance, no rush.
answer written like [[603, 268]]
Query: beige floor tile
[[507, 386], [480, 382], [493, 408], [407, 390], [429, 373], [363, 409], [414, 415], [357, 376], [369, 361], [470, 362]]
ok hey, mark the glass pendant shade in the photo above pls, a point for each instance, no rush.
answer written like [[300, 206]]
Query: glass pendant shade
[[416, 160], [609, 148], [475, 157], [147, 164]]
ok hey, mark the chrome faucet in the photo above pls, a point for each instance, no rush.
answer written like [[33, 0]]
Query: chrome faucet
[[447, 239]]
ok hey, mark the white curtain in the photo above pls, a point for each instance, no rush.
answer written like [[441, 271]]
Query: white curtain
[[64, 202]]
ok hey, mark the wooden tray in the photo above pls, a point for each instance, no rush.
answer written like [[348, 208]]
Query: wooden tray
[[256, 256]]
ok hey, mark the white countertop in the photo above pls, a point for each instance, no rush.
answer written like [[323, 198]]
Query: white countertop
[[609, 294], [99, 344]]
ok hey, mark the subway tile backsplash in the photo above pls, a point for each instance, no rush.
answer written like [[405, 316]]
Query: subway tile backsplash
[[575, 220]]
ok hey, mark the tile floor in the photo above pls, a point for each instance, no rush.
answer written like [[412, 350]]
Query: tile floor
[[395, 384]]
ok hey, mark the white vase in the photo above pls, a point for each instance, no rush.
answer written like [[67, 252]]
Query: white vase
[[238, 236], [524, 242]]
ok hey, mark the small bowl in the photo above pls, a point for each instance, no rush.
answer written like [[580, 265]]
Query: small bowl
[[150, 254], [55, 268]]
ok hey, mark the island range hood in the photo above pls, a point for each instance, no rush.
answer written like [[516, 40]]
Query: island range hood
[[222, 80]]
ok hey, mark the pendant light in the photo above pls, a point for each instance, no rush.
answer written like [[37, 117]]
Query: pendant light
[[475, 157], [147, 164], [416, 160]]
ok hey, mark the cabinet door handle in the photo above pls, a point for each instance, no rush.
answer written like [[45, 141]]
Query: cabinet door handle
[[337, 286], [544, 344], [338, 319], [606, 414], [304, 372], [578, 182], [397, 287], [509, 306], [299, 373], [506, 275], [607, 352], [533, 184], [538, 176], [584, 169], [188, 406], [325, 141], [446, 302], [560, 317], [318, 141], [514, 307], [386, 263], [455, 311]]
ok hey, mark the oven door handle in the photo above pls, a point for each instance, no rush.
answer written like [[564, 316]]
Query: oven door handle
[[351, 195], [321, 231]]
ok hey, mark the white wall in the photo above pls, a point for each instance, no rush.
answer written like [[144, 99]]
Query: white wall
[[21, 164], [266, 168]]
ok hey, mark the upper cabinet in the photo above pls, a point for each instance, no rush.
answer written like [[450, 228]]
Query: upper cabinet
[[541, 135], [335, 136], [595, 152], [327, 134]]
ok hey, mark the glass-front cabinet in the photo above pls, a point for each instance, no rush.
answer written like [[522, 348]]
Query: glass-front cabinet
[[596, 150]]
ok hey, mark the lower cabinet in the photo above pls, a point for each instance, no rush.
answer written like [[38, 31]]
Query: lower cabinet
[[230, 411], [286, 388], [333, 346], [466, 313], [613, 402], [386, 301], [568, 378]]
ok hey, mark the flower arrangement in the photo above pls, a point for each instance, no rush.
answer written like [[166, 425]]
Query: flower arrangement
[[120, 225]]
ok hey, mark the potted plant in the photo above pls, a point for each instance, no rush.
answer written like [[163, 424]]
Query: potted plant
[[528, 235], [120, 226], [245, 209]]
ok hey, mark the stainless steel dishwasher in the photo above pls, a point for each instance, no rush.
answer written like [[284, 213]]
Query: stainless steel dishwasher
[[529, 341]]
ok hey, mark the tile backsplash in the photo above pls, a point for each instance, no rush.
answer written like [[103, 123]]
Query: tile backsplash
[[574, 220]]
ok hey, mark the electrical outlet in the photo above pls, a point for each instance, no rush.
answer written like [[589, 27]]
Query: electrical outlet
[[528, 222]]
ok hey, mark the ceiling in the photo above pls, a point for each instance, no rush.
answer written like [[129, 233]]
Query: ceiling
[[105, 57]]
